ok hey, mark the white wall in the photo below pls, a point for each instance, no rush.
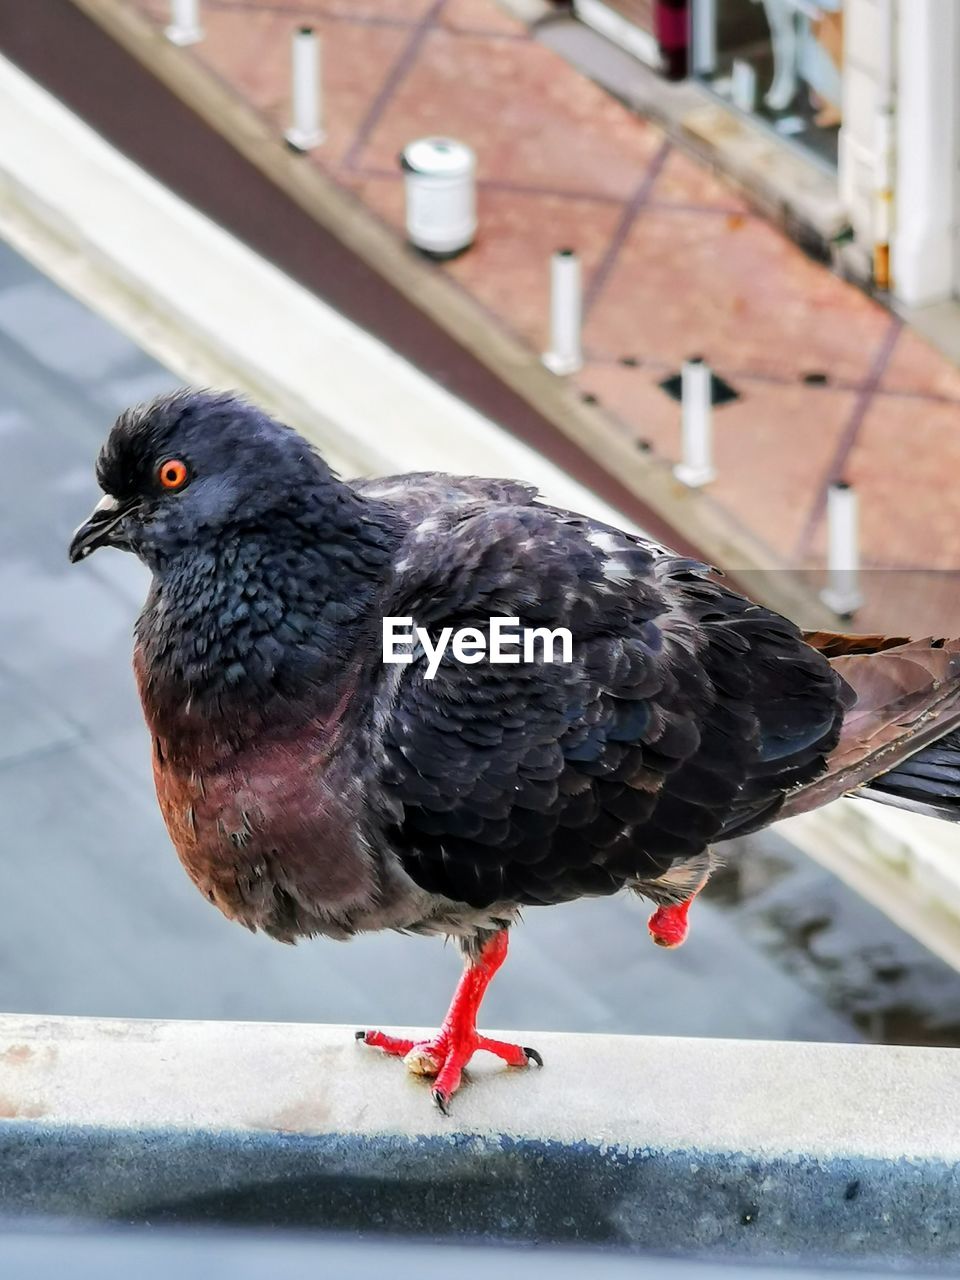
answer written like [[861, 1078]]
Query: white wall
[[863, 72], [928, 63], [919, 63]]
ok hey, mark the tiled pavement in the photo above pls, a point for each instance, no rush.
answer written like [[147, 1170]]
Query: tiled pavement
[[675, 264]]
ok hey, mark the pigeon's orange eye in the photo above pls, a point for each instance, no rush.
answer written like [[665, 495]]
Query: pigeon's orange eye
[[172, 474]]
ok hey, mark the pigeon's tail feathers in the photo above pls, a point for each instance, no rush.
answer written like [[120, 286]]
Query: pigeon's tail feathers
[[900, 739], [927, 782]]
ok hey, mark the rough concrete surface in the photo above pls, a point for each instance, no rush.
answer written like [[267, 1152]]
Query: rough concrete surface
[[715, 1147]]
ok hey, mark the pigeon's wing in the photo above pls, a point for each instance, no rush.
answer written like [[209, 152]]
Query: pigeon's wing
[[906, 697], [418, 494], [837, 644], [685, 710]]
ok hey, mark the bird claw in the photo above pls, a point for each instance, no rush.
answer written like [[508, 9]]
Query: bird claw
[[445, 1056], [422, 1060]]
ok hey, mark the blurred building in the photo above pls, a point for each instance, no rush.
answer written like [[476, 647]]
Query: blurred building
[[868, 89]]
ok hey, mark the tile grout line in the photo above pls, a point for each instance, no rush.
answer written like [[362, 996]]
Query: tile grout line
[[24, 682], [46, 751], [391, 84], [631, 210], [733, 374], [561, 193], [848, 439], [501, 184]]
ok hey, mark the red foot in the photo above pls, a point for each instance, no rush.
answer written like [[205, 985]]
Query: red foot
[[445, 1055], [668, 925], [448, 1052]]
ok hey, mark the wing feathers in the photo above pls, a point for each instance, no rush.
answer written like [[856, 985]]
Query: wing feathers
[[907, 696], [686, 710]]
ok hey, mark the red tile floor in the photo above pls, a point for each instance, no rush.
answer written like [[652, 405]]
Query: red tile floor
[[675, 264]]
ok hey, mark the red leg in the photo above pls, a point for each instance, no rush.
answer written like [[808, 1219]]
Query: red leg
[[668, 925], [448, 1052]]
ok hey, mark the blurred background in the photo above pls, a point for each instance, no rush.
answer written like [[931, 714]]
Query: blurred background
[[176, 203]]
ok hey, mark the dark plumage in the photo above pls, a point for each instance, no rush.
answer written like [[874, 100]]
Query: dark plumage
[[311, 789]]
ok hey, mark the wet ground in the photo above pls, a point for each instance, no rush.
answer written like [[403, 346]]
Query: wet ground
[[97, 917]]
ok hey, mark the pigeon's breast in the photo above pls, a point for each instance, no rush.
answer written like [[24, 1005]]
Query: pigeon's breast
[[269, 835]]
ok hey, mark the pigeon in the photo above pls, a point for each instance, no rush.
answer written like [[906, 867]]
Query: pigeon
[[311, 787]]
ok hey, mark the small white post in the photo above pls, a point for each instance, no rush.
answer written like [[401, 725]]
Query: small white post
[[306, 131], [696, 409], [842, 592], [704, 37], [184, 25], [566, 313], [782, 18], [743, 86]]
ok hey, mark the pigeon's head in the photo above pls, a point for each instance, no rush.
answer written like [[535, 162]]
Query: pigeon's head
[[191, 467]]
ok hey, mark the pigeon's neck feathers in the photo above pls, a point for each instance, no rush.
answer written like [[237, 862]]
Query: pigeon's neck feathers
[[265, 626]]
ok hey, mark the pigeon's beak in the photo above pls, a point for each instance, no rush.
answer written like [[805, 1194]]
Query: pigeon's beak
[[102, 528]]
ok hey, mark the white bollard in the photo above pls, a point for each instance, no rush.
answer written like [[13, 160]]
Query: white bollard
[[696, 430], [842, 592], [440, 191], [306, 131], [743, 86], [184, 25], [566, 313]]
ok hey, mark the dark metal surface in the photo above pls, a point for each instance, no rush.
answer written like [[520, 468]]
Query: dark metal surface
[[50, 1252], [486, 1187]]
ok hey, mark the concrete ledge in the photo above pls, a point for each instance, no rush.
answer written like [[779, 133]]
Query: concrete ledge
[[797, 192], [791, 190], [719, 1148]]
